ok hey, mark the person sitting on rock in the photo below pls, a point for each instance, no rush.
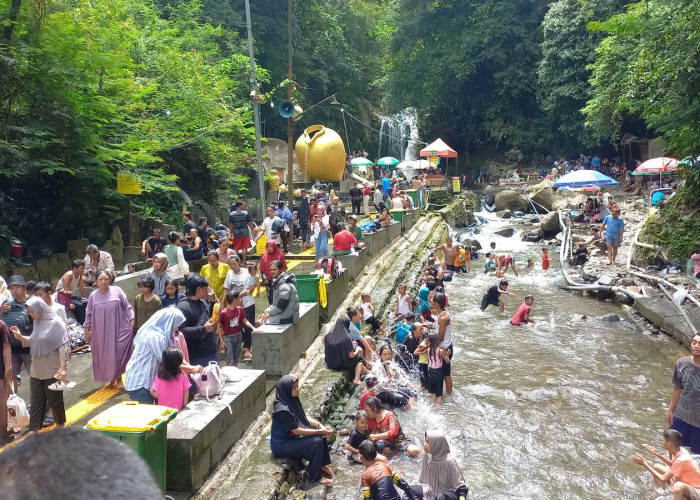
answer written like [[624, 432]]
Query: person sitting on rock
[[96, 261], [153, 244]]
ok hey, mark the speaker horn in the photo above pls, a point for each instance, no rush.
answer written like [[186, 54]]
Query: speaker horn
[[286, 109]]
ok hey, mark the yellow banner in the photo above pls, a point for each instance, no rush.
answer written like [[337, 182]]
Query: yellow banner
[[128, 184], [435, 161], [455, 185]]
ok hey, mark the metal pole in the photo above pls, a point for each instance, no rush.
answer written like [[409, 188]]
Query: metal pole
[[290, 123], [256, 108]]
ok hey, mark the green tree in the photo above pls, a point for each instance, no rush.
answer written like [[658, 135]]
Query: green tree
[[647, 66], [567, 50]]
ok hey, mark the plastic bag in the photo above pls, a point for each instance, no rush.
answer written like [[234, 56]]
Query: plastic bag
[[680, 295], [17, 413]]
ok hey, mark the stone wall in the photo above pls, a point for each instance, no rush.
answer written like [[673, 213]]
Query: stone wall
[[458, 213]]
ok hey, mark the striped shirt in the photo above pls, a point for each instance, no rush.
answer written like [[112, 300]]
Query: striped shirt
[[143, 366]]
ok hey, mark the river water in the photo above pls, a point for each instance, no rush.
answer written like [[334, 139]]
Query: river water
[[550, 411]]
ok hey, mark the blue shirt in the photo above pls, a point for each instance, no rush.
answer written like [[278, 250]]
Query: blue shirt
[[402, 331], [285, 214], [596, 163], [657, 198], [613, 226], [385, 184]]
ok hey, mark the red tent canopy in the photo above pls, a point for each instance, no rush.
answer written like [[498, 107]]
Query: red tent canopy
[[438, 148]]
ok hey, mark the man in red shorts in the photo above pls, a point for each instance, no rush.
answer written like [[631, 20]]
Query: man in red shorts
[[240, 225]]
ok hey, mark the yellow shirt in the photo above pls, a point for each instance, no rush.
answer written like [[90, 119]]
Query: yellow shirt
[[216, 277], [462, 258]]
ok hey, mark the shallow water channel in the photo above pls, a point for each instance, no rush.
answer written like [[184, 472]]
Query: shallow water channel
[[543, 412]]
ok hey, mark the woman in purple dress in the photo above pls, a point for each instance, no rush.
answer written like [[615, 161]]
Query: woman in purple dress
[[108, 324]]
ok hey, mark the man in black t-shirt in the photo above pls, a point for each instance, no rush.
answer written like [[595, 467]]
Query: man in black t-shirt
[[493, 296], [240, 225], [189, 224], [355, 193], [153, 244]]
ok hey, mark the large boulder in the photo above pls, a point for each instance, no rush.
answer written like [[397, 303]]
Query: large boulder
[[543, 196], [550, 224], [567, 199], [511, 200]]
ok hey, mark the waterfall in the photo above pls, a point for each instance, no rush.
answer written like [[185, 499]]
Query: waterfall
[[398, 135]]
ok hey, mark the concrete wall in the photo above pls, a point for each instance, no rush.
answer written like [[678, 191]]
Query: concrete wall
[[204, 431], [127, 282], [277, 348]]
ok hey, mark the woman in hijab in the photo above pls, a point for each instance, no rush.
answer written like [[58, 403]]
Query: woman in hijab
[[272, 252], [320, 232], [341, 353], [296, 435], [440, 477], [151, 340], [50, 351]]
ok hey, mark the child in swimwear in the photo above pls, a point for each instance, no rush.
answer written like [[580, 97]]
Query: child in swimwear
[[545, 258], [357, 435]]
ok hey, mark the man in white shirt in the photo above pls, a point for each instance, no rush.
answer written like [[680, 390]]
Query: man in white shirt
[[266, 226]]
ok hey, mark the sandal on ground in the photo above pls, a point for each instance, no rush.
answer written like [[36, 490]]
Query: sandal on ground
[[48, 421], [62, 385]]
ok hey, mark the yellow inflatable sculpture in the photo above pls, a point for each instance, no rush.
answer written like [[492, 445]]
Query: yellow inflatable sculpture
[[321, 154]]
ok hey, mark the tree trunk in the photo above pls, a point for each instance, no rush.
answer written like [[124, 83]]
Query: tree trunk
[[9, 28]]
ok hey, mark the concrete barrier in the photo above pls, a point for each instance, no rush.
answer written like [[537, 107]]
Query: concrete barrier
[[394, 231], [277, 348], [376, 241], [204, 431], [127, 282], [353, 264]]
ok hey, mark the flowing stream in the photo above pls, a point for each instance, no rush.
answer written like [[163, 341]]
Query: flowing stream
[[550, 411]]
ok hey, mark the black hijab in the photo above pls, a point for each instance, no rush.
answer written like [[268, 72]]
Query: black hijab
[[338, 344], [285, 402]]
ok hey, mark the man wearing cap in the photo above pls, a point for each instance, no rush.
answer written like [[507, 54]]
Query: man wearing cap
[[14, 313], [153, 244]]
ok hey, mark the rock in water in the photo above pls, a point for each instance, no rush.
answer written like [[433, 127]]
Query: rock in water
[[504, 214], [532, 236], [511, 200], [550, 224], [611, 318], [506, 233]]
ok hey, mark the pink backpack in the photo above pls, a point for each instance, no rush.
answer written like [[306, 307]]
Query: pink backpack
[[211, 381]]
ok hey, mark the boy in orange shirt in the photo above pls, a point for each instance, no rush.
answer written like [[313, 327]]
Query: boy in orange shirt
[[680, 471]]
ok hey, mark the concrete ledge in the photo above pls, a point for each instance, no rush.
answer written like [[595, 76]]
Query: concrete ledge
[[353, 264], [277, 348], [394, 230], [375, 242], [204, 430], [127, 282], [337, 290], [661, 313]]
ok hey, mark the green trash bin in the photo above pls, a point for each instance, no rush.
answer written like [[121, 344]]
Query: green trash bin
[[307, 287], [398, 216], [413, 193], [143, 428]]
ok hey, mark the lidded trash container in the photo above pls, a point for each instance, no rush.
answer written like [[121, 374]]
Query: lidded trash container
[[143, 428]]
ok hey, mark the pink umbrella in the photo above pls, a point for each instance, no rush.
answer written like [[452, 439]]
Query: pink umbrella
[[656, 166]]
